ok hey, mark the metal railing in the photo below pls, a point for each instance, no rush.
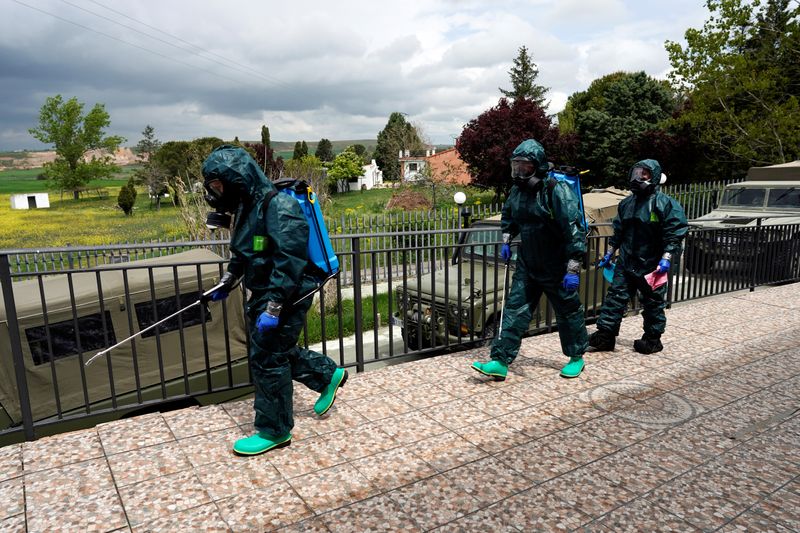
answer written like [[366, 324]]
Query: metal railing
[[409, 294]]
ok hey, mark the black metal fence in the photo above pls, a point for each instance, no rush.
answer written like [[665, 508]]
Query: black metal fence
[[410, 294]]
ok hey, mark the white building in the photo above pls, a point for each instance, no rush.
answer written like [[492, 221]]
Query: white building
[[370, 177], [412, 167], [33, 200]]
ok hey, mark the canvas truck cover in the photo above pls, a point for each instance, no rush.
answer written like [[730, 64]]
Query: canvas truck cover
[[601, 207], [65, 374], [783, 172]]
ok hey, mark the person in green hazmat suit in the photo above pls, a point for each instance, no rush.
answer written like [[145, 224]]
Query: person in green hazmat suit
[[648, 232], [269, 250], [547, 216]]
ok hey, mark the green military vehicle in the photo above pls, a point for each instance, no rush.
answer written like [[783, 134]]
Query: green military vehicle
[[770, 194], [463, 302], [63, 321]]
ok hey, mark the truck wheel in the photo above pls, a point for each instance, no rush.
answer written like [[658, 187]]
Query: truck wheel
[[410, 338]]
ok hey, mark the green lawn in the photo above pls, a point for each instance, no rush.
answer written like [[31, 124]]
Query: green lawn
[[381, 306]]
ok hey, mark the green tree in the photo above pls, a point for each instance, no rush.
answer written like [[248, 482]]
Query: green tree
[[303, 149], [182, 161], [346, 166], [298, 151], [311, 170], [324, 150], [523, 79], [151, 175], [740, 75], [610, 115], [127, 197], [73, 135], [265, 135], [396, 136], [361, 151]]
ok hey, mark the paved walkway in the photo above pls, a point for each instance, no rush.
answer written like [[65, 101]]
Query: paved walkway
[[704, 435]]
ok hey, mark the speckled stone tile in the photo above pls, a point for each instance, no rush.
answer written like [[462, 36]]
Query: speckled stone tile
[[394, 468], [361, 441], [695, 504], [447, 451], [412, 427], [61, 485], [198, 420], [538, 423], [333, 488], [456, 414], [629, 472], [752, 523], [72, 448], [616, 431], [539, 510], [579, 445], [381, 406], [537, 461], [341, 416], [14, 524], [572, 409], [211, 447], [100, 511], [697, 441], [378, 514], [424, 395], [434, 501], [12, 498], [146, 463], [304, 457], [489, 519], [134, 433], [241, 411], [10, 462], [782, 507], [159, 497], [359, 386], [229, 478], [464, 385], [590, 492], [488, 480], [497, 403], [205, 518], [496, 434], [265, 509], [311, 525], [642, 515]]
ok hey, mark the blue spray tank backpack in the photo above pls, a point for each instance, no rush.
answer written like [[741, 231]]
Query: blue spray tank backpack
[[572, 177], [322, 259]]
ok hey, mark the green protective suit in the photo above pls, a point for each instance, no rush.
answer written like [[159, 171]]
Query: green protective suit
[[645, 228], [548, 219], [269, 247]]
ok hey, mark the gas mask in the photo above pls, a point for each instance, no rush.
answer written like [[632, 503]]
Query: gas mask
[[523, 172], [223, 202], [641, 181]]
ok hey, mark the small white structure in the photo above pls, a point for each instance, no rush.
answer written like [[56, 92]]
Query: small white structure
[[371, 177], [412, 168], [33, 200]]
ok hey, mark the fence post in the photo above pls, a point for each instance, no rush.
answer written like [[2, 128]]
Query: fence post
[[754, 268], [356, 247], [16, 346]]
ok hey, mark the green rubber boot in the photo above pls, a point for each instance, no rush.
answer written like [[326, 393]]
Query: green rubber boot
[[496, 369], [574, 368], [259, 443], [328, 396]]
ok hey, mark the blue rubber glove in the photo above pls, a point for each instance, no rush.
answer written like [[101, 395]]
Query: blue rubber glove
[[266, 322], [219, 294], [663, 265], [606, 260], [571, 282], [505, 252]]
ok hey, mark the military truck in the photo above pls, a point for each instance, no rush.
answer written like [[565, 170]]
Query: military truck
[[65, 319], [463, 302], [770, 194]]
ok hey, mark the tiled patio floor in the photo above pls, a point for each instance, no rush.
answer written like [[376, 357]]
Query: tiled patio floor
[[703, 436]]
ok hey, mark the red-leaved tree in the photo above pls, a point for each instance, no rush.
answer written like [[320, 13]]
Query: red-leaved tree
[[486, 142]]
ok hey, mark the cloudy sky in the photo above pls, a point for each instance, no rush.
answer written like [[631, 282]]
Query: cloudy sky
[[193, 68]]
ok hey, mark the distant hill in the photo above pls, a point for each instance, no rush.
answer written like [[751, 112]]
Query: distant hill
[[338, 146]]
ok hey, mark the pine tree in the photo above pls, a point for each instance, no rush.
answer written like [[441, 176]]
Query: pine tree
[[324, 150], [298, 151], [523, 79], [304, 149], [265, 135]]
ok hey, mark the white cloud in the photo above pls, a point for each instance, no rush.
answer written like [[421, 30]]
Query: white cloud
[[314, 69]]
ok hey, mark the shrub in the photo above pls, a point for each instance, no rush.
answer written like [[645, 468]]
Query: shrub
[[127, 197]]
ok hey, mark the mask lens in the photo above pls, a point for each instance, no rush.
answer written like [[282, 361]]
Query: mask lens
[[215, 187], [521, 168], [640, 174]]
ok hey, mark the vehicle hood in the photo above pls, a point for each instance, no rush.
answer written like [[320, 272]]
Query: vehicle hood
[[742, 218], [471, 282]]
